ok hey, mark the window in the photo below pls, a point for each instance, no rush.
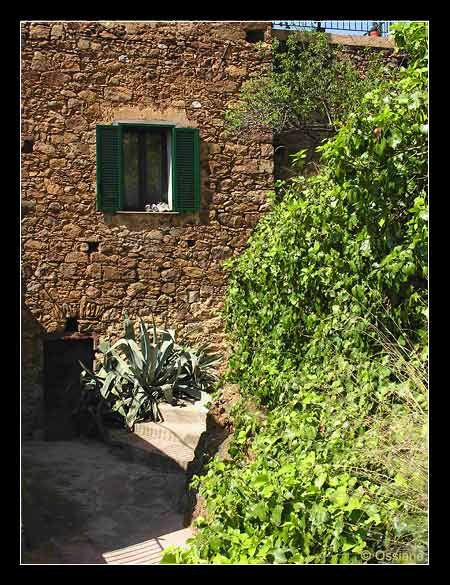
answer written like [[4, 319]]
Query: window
[[140, 165]]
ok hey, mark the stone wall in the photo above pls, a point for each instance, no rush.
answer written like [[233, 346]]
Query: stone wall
[[76, 75]]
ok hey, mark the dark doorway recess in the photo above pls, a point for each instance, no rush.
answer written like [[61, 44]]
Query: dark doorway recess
[[62, 380]]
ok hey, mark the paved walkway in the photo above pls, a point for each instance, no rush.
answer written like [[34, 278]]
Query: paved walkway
[[85, 502]]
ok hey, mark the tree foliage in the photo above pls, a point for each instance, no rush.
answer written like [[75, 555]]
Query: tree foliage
[[311, 81]]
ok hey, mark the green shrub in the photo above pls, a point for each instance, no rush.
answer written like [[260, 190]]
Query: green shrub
[[133, 378], [336, 475]]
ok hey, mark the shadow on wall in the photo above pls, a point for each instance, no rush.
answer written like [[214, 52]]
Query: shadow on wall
[[210, 443], [32, 393], [31, 383]]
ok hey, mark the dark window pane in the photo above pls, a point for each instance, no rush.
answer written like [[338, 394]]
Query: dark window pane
[[154, 153], [145, 167], [131, 170]]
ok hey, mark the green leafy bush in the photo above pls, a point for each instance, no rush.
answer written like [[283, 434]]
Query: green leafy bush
[[327, 313], [134, 377]]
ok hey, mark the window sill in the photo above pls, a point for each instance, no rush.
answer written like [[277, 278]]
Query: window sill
[[148, 212], [144, 220]]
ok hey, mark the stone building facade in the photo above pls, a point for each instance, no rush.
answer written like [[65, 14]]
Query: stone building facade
[[93, 265], [83, 262]]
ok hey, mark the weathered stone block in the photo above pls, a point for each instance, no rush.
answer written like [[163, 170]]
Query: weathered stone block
[[94, 270], [266, 150], [93, 292], [103, 258], [168, 287], [107, 35], [70, 63], [118, 94], [39, 31], [170, 275], [115, 273], [127, 263], [78, 257], [229, 33], [214, 277], [87, 95], [221, 252], [265, 166], [193, 272], [73, 103], [250, 167], [154, 235], [84, 44], [45, 148], [34, 245], [54, 78], [55, 207], [68, 270], [135, 289], [230, 220], [235, 71], [71, 230], [76, 123], [57, 31], [193, 296], [39, 63]]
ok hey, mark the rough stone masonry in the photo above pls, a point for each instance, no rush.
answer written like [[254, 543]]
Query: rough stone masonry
[[94, 265], [78, 75]]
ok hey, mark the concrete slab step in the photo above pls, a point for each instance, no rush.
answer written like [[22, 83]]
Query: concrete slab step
[[160, 453], [149, 552], [168, 443], [185, 434], [189, 412]]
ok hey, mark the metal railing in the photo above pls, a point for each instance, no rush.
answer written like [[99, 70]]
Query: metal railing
[[359, 27]]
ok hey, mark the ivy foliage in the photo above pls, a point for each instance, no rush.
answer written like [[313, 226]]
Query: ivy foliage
[[327, 313], [311, 81]]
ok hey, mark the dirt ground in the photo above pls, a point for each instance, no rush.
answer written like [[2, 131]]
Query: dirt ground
[[80, 499], [83, 498]]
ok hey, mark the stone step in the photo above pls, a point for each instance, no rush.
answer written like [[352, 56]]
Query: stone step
[[149, 552], [169, 455], [193, 414], [170, 443], [185, 434]]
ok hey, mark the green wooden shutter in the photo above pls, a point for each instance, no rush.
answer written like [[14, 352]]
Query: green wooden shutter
[[186, 169], [109, 168]]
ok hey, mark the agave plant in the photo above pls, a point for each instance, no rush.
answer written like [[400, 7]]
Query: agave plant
[[135, 376]]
